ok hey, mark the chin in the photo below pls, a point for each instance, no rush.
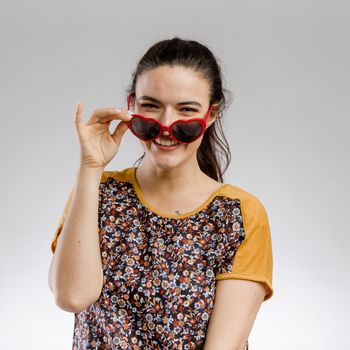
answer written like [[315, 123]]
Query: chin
[[165, 161]]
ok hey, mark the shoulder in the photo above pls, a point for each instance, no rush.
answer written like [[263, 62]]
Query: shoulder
[[123, 175], [251, 206], [247, 198]]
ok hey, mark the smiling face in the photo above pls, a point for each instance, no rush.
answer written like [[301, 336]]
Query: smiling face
[[168, 94]]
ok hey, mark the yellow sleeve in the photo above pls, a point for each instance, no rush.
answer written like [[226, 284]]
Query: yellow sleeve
[[253, 259], [61, 221]]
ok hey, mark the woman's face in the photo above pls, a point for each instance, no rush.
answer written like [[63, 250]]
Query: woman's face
[[159, 94]]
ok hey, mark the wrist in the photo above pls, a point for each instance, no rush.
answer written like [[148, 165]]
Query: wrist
[[88, 171]]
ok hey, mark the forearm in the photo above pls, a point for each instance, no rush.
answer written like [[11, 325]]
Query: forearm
[[226, 347], [76, 268]]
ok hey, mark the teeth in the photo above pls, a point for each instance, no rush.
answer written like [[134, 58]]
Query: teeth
[[166, 142]]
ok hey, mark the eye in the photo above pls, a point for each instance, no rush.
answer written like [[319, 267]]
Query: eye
[[150, 105], [189, 109], [185, 109]]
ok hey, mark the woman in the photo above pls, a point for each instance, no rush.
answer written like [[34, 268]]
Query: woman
[[163, 255]]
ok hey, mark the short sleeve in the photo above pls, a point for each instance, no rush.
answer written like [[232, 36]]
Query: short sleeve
[[253, 259], [61, 221]]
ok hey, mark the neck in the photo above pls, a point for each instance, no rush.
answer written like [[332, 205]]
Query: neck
[[171, 182]]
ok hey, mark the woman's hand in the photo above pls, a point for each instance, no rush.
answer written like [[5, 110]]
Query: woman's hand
[[97, 146]]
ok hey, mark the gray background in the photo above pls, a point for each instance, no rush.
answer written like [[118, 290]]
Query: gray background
[[287, 62]]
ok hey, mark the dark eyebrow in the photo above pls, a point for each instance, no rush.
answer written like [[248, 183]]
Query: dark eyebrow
[[144, 97]]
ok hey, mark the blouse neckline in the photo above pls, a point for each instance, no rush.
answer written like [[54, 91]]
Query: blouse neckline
[[150, 207]]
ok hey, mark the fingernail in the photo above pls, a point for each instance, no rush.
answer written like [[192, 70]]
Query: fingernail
[[129, 114]]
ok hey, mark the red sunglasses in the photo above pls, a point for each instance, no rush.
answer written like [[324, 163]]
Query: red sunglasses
[[182, 130]]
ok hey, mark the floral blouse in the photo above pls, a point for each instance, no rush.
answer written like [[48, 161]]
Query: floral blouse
[[160, 270]]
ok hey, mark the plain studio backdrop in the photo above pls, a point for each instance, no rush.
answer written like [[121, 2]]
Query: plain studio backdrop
[[287, 63]]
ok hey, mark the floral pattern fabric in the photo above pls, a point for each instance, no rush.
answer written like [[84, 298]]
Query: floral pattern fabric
[[159, 272]]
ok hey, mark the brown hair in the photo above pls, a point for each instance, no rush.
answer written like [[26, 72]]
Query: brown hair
[[214, 147]]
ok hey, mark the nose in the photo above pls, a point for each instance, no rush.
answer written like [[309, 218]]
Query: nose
[[166, 120]]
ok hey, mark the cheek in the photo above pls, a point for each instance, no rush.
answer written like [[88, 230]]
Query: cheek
[[198, 142], [194, 146], [143, 144]]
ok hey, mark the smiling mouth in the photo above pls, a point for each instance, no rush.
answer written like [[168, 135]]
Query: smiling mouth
[[165, 142]]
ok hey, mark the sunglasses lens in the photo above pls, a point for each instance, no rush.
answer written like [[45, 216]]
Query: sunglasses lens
[[145, 129], [187, 132]]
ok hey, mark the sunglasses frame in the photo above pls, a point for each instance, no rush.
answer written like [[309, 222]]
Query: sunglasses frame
[[163, 128]]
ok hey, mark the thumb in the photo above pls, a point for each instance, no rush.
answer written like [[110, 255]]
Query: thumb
[[119, 131]]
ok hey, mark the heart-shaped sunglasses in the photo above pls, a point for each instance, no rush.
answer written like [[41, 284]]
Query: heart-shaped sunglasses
[[182, 130]]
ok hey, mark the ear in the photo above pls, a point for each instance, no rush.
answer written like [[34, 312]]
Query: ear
[[214, 114]]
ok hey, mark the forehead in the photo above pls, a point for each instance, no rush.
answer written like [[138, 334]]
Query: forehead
[[172, 84]]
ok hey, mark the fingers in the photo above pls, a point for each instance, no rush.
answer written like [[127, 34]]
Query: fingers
[[78, 114], [104, 115]]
